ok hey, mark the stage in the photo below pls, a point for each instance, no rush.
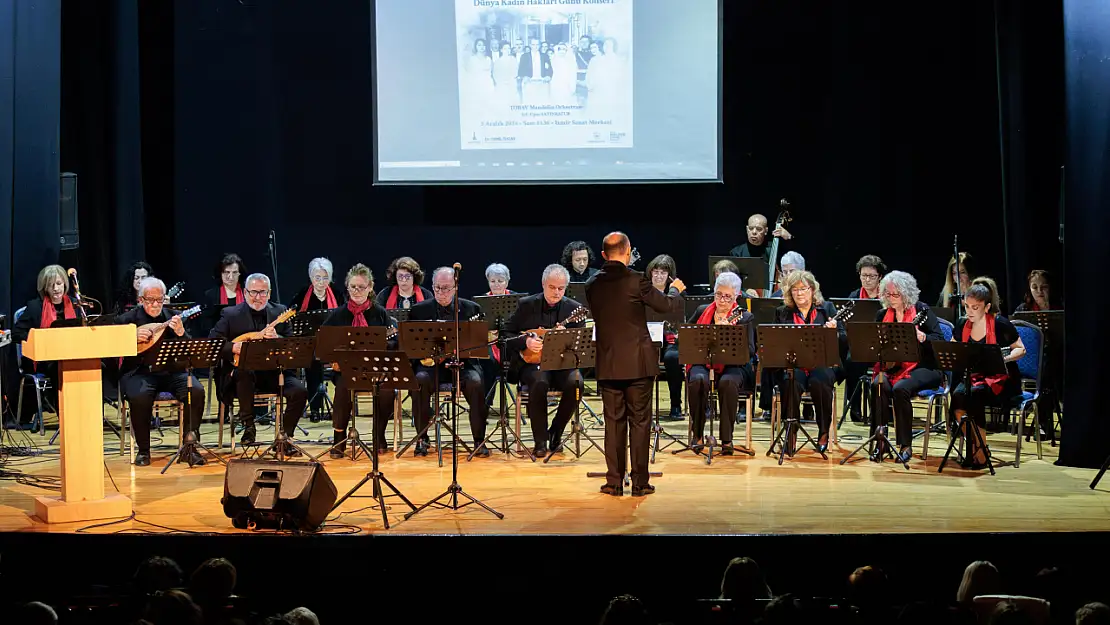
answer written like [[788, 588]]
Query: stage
[[737, 495]]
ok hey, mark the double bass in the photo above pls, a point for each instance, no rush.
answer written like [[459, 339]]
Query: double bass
[[773, 259]]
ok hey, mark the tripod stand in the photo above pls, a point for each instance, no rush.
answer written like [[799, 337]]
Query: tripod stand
[[981, 358], [174, 355], [498, 309], [279, 355], [884, 343], [714, 345], [1101, 472], [455, 490], [661, 324], [790, 347], [570, 349], [335, 344], [372, 371]]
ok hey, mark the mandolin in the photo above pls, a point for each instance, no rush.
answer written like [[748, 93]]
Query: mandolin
[[430, 362], [845, 312], [175, 292], [533, 358], [257, 336], [773, 259], [159, 328]]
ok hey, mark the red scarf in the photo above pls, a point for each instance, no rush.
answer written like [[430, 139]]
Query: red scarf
[[49, 315], [391, 302], [799, 321], [707, 318], [902, 370], [238, 295], [357, 310], [995, 382], [329, 298], [863, 294]]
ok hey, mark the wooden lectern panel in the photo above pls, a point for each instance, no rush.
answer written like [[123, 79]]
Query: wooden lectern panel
[[80, 406]]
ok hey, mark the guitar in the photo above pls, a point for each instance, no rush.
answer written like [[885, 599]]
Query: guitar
[[175, 292], [773, 262], [159, 328], [635, 258], [845, 312], [430, 362], [257, 336], [533, 358]]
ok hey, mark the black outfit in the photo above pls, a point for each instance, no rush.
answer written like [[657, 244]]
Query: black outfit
[[853, 371], [402, 302], [31, 319], [491, 367], [819, 382], [926, 375], [141, 386], [534, 312], [240, 319], [581, 277], [383, 402], [627, 363], [974, 403], [470, 375], [730, 382], [747, 250], [1052, 376], [672, 368], [314, 374], [202, 324]]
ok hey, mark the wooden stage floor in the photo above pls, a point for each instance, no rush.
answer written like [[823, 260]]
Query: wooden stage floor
[[736, 495]]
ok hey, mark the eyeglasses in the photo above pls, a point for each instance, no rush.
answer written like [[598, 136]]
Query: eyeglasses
[[404, 277], [151, 300], [231, 273], [321, 278], [258, 293], [894, 295], [869, 276], [800, 289], [358, 289], [724, 297], [443, 289]]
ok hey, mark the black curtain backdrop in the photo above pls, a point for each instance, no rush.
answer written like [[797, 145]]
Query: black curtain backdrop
[[1087, 32]]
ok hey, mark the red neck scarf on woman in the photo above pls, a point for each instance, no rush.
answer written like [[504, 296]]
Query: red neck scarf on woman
[[49, 315], [357, 310], [329, 299], [995, 382], [238, 295], [863, 294], [903, 369], [394, 296], [707, 318]]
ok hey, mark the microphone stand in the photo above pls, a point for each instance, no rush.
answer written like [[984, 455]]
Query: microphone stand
[[957, 293], [273, 264], [77, 299]]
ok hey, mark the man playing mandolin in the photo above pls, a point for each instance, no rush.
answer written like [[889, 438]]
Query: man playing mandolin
[[535, 314], [141, 386]]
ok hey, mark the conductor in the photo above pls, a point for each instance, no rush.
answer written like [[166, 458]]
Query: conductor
[[627, 360]]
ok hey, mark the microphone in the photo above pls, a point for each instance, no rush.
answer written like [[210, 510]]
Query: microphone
[[457, 267], [77, 294]]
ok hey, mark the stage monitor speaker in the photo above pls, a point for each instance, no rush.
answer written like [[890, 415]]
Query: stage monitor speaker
[[67, 212], [277, 495]]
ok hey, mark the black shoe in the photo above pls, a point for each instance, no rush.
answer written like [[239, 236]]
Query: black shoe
[[640, 491], [142, 459], [675, 414], [905, 454], [539, 451], [823, 443], [195, 459], [726, 449], [610, 489], [337, 450], [249, 435], [290, 451], [421, 448], [481, 452], [857, 415]]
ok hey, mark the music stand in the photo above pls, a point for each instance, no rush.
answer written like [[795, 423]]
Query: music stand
[[690, 303], [789, 347], [943, 312], [278, 354], [577, 292], [181, 354], [753, 272], [763, 309], [1051, 323], [980, 358], [568, 349], [498, 309], [671, 320], [399, 314], [332, 342], [307, 324], [862, 308], [710, 345], [375, 371], [886, 344]]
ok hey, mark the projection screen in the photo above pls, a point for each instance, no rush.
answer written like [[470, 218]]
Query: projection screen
[[487, 91]]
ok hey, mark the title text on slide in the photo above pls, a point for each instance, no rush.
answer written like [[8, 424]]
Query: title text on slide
[[523, 3]]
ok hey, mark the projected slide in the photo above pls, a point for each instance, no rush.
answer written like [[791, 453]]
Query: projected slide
[[573, 90], [491, 91]]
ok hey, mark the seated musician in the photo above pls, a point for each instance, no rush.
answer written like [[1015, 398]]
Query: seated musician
[[360, 311], [255, 315], [51, 304], [442, 308], [316, 295], [404, 277], [1040, 296], [497, 276], [757, 244], [722, 266], [577, 259], [127, 296], [141, 386], [871, 269], [791, 261], [803, 304], [903, 381], [956, 275], [984, 325], [230, 272], [544, 310], [730, 379], [1039, 293], [662, 272]]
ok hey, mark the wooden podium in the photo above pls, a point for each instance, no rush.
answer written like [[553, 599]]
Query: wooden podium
[[80, 409]]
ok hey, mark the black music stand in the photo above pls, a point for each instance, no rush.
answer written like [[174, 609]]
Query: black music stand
[[307, 324], [671, 320], [980, 358], [278, 355], [399, 314], [181, 354], [753, 272], [690, 303], [763, 309], [789, 347], [375, 371], [566, 349], [886, 344], [710, 345], [498, 309], [577, 292], [332, 342], [1051, 323], [862, 308]]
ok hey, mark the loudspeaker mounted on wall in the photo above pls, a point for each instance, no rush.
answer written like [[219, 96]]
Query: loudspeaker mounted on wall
[[277, 495], [67, 212]]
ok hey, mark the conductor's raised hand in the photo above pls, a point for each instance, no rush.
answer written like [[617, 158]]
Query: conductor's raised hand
[[679, 284]]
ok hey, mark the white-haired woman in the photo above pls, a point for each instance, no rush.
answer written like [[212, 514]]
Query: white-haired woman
[[497, 276], [731, 379], [791, 261], [317, 295], [899, 294], [803, 304]]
